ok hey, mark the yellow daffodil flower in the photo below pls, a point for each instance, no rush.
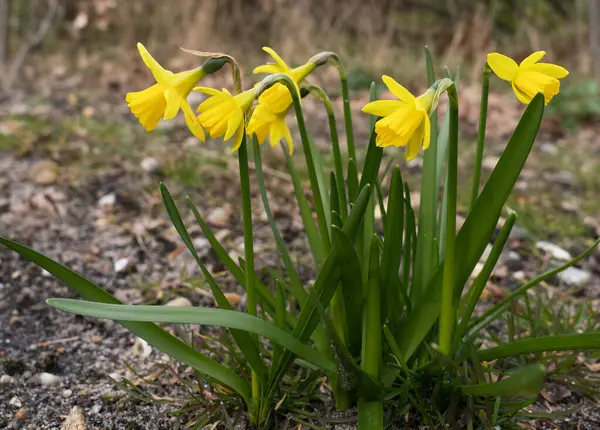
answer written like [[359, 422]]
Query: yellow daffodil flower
[[529, 77], [164, 99], [222, 114], [268, 119], [404, 122]]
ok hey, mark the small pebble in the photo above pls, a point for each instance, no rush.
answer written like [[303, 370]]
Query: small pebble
[[554, 250], [180, 302], [67, 393], [218, 217], [6, 380], [22, 414], [96, 408], [47, 379], [233, 298], [16, 402], [150, 164], [75, 420], [519, 276], [574, 277], [107, 201], [121, 265], [141, 348]]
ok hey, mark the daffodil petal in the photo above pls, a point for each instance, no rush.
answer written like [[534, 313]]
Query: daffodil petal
[[157, 70], [521, 96], [504, 67], [239, 135], [208, 90], [174, 101], [287, 136], [397, 89], [427, 132], [267, 68], [233, 123], [532, 59], [277, 59], [275, 133], [553, 70], [192, 122], [382, 107], [414, 143]]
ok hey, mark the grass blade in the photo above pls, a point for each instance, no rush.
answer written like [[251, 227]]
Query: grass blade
[[526, 381], [196, 315], [150, 332]]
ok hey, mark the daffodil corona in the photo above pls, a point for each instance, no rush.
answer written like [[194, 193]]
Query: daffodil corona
[[164, 99], [268, 118], [529, 77], [222, 114], [404, 122]]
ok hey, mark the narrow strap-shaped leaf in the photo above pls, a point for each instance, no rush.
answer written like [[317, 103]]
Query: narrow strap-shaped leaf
[[392, 249], [232, 267], [195, 315], [410, 236], [372, 161], [247, 345], [526, 381], [352, 181], [321, 177], [324, 288], [478, 227], [428, 206], [472, 297], [352, 291], [150, 332], [312, 233], [295, 282]]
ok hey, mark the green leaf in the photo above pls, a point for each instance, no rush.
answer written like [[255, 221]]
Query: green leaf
[[150, 332], [526, 381], [324, 288], [247, 345], [564, 342], [295, 283], [392, 250], [352, 180], [478, 227], [195, 315], [372, 162], [314, 240], [232, 267], [424, 268], [352, 295], [472, 297]]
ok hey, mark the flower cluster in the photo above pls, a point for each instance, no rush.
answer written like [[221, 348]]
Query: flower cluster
[[403, 122]]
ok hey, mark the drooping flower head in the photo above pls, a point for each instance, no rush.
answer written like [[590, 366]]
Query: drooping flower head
[[529, 77], [268, 118], [222, 114], [164, 99], [405, 122]]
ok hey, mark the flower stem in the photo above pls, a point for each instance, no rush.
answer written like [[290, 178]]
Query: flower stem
[[248, 251], [447, 314], [485, 87]]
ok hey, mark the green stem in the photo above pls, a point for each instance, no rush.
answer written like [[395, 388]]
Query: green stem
[[248, 251], [335, 145], [447, 314], [485, 87], [347, 111]]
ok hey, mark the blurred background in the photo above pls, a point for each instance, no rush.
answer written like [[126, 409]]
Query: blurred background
[[45, 41]]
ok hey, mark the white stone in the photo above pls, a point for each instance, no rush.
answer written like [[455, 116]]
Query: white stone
[[67, 393], [150, 164], [6, 380], [554, 250], [16, 402], [121, 265], [574, 277], [141, 348], [107, 201], [47, 379], [201, 243], [180, 302]]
